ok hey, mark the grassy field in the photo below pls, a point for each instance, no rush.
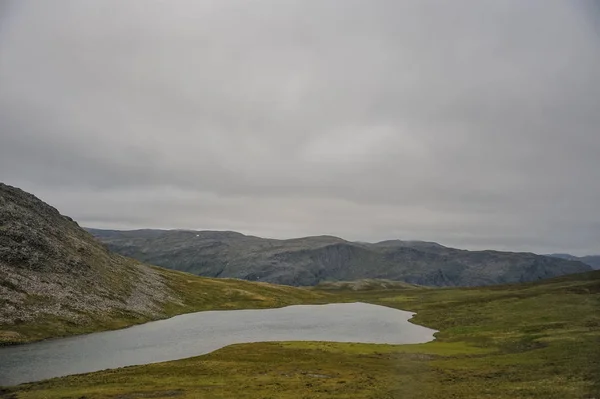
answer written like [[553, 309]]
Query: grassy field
[[198, 293], [522, 341]]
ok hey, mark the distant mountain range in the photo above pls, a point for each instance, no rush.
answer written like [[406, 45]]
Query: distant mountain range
[[592, 260], [312, 260]]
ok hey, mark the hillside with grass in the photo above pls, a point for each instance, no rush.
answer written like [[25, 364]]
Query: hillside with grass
[[57, 280], [537, 340], [365, 285]]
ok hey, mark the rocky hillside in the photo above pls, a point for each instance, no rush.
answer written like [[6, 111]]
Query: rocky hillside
[[311, 260], [592, 260], [50, 267], [56, 279]]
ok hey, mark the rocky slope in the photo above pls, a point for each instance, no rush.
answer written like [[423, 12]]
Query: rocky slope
[[592, 260], [50, 266], [311, 260], [56, 279]]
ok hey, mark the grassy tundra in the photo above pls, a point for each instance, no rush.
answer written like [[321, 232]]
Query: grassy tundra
[[536, 340]]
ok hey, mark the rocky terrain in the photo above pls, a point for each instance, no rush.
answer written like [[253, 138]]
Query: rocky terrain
[[311, 260], [51, 269], [591, 260]]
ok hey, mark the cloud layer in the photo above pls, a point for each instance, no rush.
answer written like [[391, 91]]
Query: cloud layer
[[473, 123]]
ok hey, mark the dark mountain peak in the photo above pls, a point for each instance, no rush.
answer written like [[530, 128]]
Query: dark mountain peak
[[36, 236], [17, 204], [212, 233], [319, 240], [409, 243], [425, 246]]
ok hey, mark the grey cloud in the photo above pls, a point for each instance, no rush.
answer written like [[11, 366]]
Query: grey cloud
[[474, 123]]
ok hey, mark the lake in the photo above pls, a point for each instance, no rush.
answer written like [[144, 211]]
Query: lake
[[199, 333]]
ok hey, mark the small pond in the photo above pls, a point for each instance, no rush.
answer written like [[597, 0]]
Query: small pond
[[203, 332]]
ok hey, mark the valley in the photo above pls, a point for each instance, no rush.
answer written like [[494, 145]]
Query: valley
[[536, 339]]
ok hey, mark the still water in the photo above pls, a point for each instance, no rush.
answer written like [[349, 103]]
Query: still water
[[203, 332]]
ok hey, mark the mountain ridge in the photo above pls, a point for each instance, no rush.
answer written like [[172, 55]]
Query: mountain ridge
[[310, 260]]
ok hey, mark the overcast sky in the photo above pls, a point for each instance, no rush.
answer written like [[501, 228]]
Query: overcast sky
[[472, 123]]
